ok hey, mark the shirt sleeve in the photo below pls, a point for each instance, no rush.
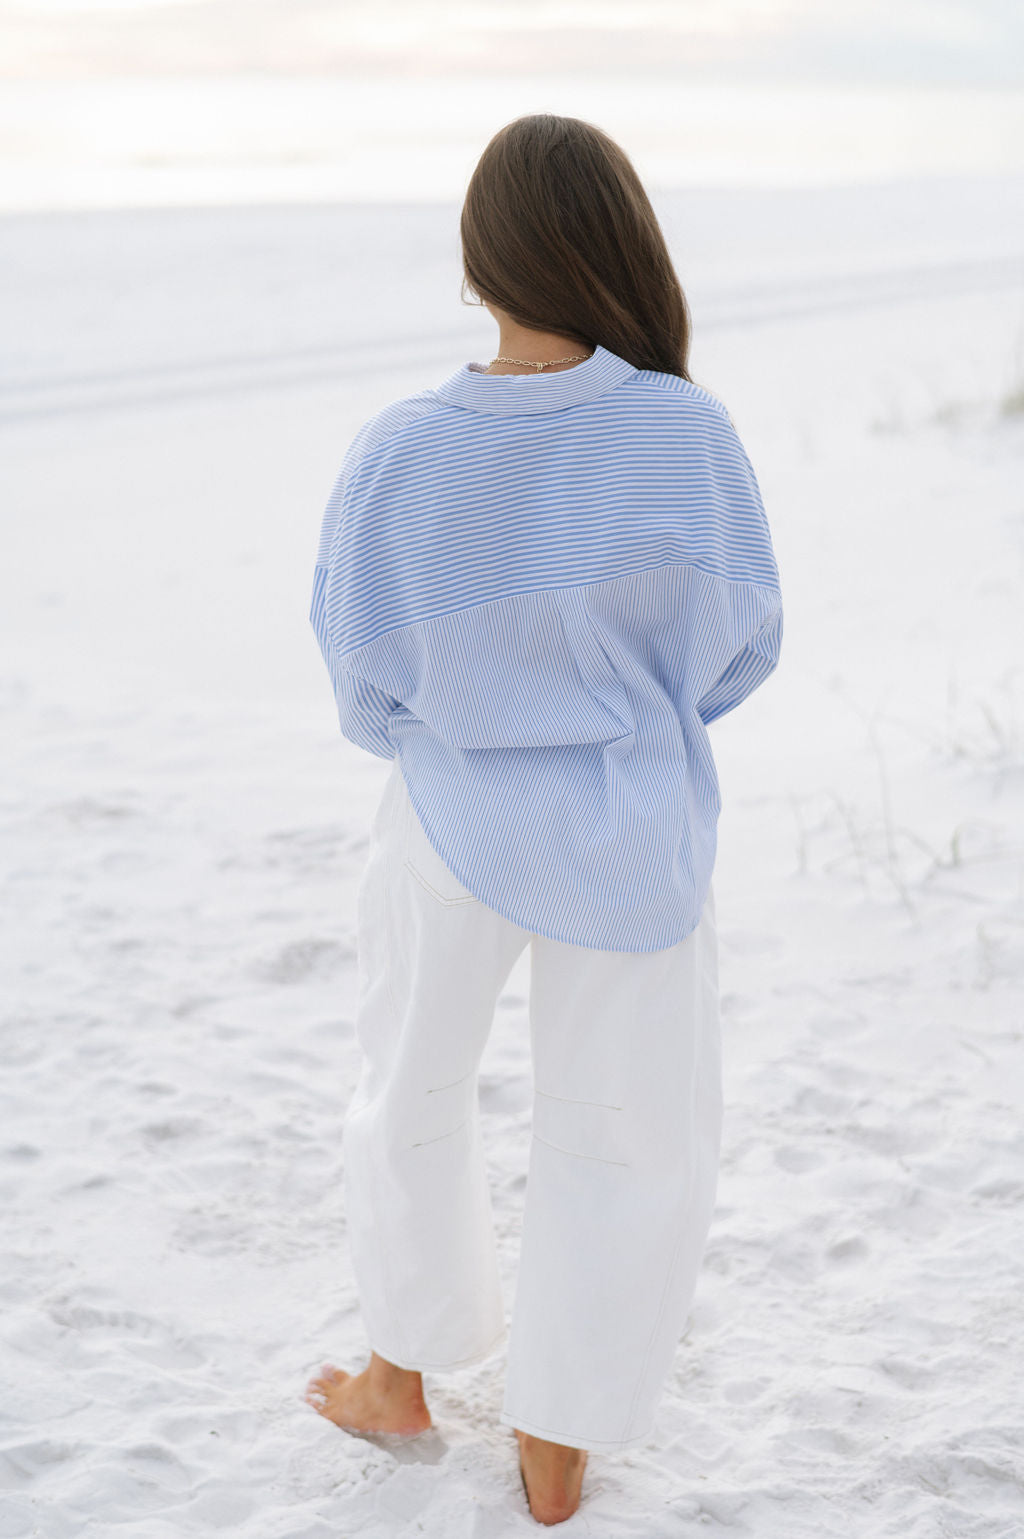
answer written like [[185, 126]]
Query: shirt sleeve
[[748, 668], [364, 710], [749, 615], [365, 705]]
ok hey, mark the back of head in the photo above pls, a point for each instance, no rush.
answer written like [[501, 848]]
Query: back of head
[[558, 232]]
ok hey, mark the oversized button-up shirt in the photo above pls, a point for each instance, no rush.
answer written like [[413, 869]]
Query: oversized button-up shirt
[[538, 590]]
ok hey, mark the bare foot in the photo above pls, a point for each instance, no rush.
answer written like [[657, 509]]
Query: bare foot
[[552, 1477], [383, 1398]]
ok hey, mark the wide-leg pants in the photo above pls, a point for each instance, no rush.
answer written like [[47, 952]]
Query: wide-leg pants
[[623, 1158]]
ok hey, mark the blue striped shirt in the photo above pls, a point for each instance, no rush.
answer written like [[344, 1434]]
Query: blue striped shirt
[[538, 590]]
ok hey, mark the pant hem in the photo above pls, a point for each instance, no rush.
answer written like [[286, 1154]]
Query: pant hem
[[573, 1439], [421, 1366]]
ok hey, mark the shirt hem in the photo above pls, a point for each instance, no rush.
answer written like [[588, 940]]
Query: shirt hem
[[536, 928]]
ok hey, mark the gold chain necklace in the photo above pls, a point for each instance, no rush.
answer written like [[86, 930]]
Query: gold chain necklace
[[575, 358]]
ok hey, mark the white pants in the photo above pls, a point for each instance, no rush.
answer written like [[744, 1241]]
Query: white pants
[[623, 1161]]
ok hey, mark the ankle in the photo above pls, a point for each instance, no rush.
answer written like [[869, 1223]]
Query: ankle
[[395, 1381], [566, 1451]]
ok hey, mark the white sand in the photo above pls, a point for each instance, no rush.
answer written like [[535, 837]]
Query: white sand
[[184, 828]]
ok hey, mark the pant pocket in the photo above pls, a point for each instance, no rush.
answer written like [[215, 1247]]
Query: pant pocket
[[423, 863]]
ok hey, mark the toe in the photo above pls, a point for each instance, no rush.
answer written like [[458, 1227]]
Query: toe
[[328, 1377]]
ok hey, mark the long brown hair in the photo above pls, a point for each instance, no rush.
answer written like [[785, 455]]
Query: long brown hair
[[558, 231]]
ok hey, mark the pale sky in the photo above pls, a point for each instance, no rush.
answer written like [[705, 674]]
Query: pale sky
[[147, 101], [885, 42]]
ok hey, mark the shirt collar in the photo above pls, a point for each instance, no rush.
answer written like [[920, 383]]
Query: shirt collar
[[470, 387]]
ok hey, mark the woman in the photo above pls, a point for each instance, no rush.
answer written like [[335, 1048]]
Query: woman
[[537, 583]]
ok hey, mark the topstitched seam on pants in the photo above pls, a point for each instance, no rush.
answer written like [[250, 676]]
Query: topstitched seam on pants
[[435, 1089], [439, 896], [574, 1101], [577, 1155], [420, 1142]]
